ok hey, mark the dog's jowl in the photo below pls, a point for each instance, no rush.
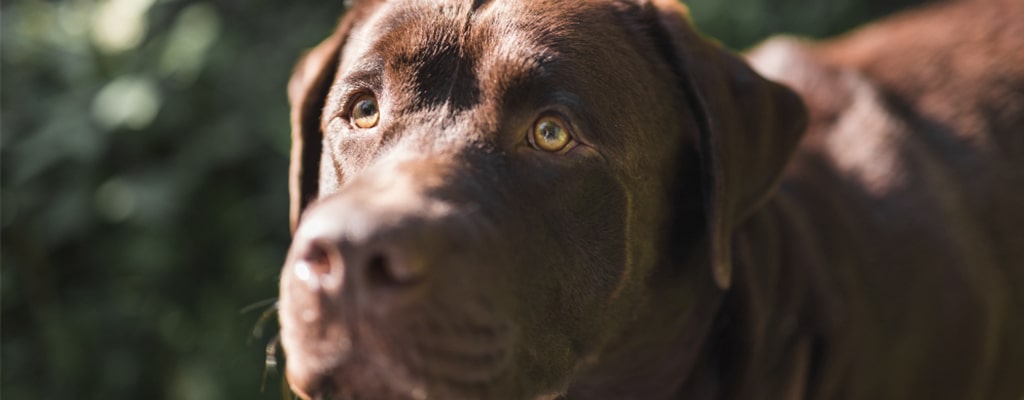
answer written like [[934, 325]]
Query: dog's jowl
[[515, 199]]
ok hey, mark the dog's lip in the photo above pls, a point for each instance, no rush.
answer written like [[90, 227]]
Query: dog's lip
[[311, 361], [309, 386], [314, 374], [311, 375], [309, 383]]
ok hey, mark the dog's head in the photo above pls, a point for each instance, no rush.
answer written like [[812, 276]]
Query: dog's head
[[487, 195]]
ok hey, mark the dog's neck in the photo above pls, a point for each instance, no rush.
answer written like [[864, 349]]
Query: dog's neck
[[761, 336], [773, 321], [657, 351], [756, 340], [648, 358], [787, 307]]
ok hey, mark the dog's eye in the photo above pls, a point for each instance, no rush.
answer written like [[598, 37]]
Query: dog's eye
[[365, 113], [550, 134]]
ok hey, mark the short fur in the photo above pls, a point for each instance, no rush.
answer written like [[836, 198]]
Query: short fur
[[712, 235]]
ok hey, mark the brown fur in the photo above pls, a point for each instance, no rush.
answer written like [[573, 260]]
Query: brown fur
[[708, 237]]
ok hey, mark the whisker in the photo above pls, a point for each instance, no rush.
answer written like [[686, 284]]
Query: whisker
[[270, 366], [261, 303], [270, 361], [265, 316]]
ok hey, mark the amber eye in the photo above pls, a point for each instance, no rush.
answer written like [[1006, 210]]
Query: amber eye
[[365, 113], [550, 134]]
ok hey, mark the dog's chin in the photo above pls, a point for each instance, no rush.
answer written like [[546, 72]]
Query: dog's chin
[[443, 374], [412, 363], [355, 378]]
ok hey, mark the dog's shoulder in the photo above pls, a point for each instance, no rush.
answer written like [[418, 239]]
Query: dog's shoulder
[[828, 91], [958, 65], [947, 79], [851, 123]]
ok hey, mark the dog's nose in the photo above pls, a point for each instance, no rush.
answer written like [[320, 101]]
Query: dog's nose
[[340, 247], [323, 263]]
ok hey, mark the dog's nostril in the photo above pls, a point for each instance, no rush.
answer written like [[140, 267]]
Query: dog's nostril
[[385, 269], [316, 262], [378, 272]]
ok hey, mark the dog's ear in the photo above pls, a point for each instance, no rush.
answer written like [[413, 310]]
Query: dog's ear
[[749, 127], [307, 92]]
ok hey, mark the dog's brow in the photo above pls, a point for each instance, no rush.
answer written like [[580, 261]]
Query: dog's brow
[[516, 60], [366, 72]]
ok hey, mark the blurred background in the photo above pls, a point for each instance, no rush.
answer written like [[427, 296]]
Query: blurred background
[[143, 161]]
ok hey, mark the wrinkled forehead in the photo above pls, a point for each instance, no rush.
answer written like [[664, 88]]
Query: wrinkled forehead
[[499, 42], [597, 59]]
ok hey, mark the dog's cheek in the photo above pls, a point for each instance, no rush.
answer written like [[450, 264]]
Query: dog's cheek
[[574, 262], [344, 156]]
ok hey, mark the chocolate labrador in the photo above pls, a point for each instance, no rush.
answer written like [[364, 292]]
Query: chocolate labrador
[[515, 199]]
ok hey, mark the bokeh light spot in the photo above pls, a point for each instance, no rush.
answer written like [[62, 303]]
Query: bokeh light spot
[[127, 101]]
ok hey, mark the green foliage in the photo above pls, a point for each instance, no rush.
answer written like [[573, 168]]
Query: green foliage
[[144, 156]]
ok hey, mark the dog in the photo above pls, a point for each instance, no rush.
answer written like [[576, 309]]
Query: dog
[[514, 199]]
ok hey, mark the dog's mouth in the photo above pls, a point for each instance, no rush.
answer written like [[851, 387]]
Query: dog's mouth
[[435, 352]]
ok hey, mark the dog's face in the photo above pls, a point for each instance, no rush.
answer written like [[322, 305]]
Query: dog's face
[[487, 191]]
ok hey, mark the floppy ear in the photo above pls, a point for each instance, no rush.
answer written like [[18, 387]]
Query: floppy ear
[[749, 128], [307, 93]]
